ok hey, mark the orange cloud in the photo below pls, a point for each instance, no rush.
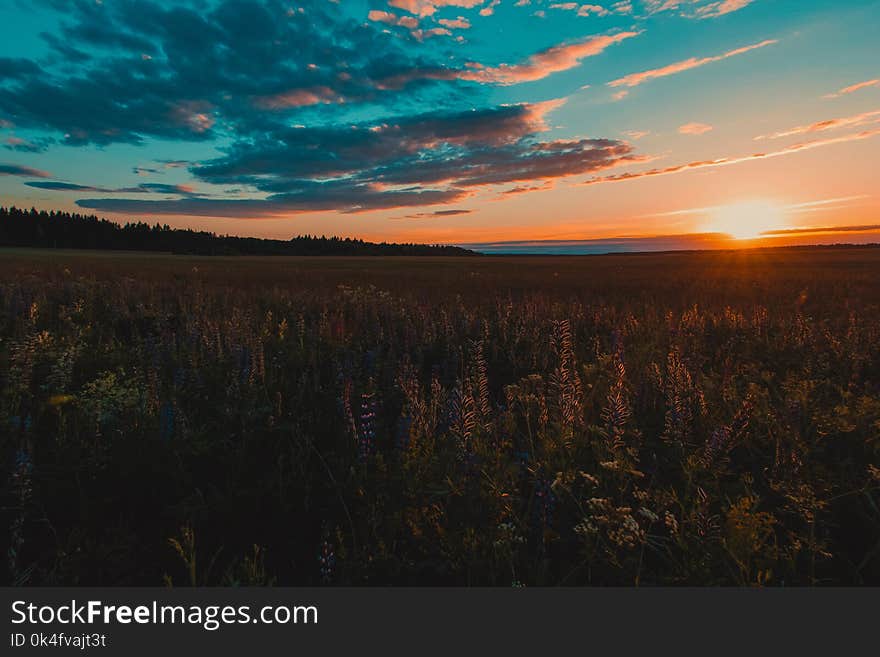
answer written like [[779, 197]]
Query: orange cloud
[[865, 118], [704, 164], [868, 228], [853, 88], [429, 7], [537, 67], [195, 115], [714, 9], [421, 35], [389, 18], [704, 9], [459, 23], [299, 98], [582, 10], [695, 129], [635, 79], [544, 63]]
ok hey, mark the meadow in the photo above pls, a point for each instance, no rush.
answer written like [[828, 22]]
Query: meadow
[[669, 419]]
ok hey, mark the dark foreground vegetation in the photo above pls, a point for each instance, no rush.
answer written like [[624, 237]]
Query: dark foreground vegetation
[[62, 230], [702, 419]]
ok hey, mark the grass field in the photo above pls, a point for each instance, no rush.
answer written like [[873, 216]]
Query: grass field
[[695, 418]]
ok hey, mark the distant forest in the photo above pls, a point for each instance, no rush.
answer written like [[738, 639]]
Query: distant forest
[[64, 230]]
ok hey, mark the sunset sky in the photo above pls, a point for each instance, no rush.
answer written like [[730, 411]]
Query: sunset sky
[[637, 124]]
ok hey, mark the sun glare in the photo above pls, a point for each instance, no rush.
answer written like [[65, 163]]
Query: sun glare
[[747, 220]]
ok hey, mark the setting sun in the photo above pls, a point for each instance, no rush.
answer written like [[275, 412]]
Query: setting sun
[[747, 220]]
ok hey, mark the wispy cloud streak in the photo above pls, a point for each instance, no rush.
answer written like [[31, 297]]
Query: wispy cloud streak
[[721, 162], [635, 79], [853, 88], [865, 118]]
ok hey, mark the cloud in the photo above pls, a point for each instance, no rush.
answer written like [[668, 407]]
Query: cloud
[[310, 108], [826, 204], [195, 71], [705, 164], [807, 206], [433, 158], [527, 189], [582, 10], [438, 213], [868, 228], [162, 188], [853, 88], [699, 9], [389, 18], [335, 151], [55, 186], [715, 9], [537, 67], [489, 9], [17, 170], [695, 128], [635, 79], [459, 23], [16, 68], [39, 145], [429, 7], [421, 35], [657, 6], [146, 171], [542, 64], [299, 98], [312, 197], [158, 188], [865, 118]]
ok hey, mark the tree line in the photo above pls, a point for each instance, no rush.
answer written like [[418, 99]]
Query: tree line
[[64, 230]]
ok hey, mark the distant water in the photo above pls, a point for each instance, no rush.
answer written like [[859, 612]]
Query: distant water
[[692, 242], [600, 246]]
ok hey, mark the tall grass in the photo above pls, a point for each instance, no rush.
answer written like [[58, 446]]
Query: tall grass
[[694, 419]]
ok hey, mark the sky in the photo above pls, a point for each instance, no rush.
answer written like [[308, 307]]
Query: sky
[[509, 126]]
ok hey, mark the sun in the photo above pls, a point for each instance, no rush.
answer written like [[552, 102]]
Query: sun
[[747, 220]]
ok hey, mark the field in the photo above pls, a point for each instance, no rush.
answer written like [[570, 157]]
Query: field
[[670, 419]]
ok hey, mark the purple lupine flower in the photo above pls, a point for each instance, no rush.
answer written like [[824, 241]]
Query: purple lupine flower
[[366, 434], [21, 489], [326, 561]]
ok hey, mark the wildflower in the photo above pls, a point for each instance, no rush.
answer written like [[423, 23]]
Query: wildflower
[[22, 491], [366, 430], [590, 479], [647, 513], [671, 522], [326, 561]]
